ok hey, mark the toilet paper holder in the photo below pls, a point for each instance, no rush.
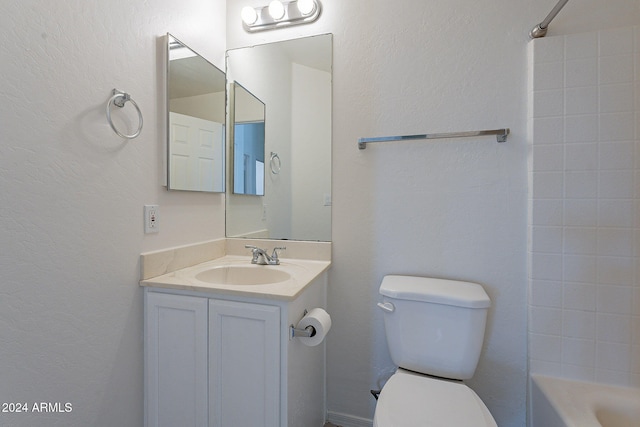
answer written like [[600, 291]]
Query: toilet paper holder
[[307, 332]]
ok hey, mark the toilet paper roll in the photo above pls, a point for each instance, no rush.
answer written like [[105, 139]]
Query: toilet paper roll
[[321, 322]]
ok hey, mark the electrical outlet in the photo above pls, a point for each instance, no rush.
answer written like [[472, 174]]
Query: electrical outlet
[[151, 218], [327, 199]]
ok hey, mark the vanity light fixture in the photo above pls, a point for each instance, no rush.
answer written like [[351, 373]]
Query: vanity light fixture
[[276, 10], [280, 14], [249, 15], [306, 6]]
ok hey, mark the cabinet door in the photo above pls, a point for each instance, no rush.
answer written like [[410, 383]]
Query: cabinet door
[[244, 373], [176, 390]]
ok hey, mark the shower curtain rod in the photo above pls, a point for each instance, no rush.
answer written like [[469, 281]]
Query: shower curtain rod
[[540, 30]]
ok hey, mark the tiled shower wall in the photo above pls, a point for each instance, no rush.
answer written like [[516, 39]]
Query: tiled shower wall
[[584, 206]]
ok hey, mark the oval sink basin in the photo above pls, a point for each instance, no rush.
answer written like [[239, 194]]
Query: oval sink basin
[[242, 275]]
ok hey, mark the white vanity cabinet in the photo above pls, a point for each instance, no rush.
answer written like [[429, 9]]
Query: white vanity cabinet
[[211, 362], [221, 354], [244, 364], [176, 360]]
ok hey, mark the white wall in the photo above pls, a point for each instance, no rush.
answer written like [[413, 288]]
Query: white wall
[[72, 194], [448, 208], [584, 246]]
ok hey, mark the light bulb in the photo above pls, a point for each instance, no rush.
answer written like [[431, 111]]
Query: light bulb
[[306, 6], [249, 15], [276, 9]]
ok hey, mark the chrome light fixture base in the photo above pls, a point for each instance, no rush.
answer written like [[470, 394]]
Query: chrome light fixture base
[[292, 16]]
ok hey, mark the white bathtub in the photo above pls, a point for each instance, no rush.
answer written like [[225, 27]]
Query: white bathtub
[[557, 402]]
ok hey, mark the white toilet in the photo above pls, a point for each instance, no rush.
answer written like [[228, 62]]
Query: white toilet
[[435, 329]]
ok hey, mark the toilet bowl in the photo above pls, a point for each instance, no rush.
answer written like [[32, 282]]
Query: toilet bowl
[[410, 399], [435, 330]]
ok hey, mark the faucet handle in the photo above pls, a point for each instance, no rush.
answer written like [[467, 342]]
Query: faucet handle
[[274, 254], [255, 251]]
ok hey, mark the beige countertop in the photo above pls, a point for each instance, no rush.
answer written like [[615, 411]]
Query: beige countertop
[[302, 272]]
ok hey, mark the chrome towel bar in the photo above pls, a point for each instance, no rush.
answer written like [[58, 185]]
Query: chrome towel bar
[[501, 136]]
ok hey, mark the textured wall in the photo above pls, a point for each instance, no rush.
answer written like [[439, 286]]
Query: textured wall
[[71, 198]]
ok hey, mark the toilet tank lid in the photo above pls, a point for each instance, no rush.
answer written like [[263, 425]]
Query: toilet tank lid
[[437, 291]]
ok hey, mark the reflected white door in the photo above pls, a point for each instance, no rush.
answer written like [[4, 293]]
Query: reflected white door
[[197, 153]]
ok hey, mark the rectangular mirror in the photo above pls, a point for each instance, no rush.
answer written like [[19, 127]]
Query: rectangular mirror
[[196, 102], [248, 141], [292, 79]]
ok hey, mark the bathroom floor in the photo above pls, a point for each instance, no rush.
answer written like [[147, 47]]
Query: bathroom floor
[[330, 425]]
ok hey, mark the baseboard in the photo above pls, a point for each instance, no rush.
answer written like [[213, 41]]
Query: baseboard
[[345, 420]]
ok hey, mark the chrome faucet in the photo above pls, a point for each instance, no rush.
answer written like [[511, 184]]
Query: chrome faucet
[[261, 257]]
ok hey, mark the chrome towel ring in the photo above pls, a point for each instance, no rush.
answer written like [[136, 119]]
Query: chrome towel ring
[[275, 163], [118, 99]]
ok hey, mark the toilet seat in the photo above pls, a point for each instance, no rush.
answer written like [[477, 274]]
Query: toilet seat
[[409, 399]]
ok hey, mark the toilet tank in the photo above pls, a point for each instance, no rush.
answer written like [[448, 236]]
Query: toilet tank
[[434, 326]]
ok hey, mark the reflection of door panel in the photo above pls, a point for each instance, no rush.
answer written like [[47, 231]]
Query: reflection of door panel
[[248, 143], [197, 147], [247, 175], [259, 177]]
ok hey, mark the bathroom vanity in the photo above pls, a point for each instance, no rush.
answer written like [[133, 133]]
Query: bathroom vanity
[[218, 346]]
